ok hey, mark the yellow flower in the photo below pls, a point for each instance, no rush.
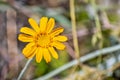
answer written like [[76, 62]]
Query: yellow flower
[[42, 39]]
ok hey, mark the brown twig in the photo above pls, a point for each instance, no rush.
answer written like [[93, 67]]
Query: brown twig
[[12, 41]]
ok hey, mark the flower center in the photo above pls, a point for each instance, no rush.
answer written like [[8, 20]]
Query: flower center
[[43, 40]]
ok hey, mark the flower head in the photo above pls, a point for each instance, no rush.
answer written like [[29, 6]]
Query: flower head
[[42, 39]]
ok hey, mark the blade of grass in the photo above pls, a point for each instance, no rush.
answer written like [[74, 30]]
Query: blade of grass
[[91, 55]]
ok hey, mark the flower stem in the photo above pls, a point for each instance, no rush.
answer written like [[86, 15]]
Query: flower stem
[[24, 69], [74, 32]]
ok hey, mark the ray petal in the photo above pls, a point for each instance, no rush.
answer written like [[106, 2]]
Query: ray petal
[[59, 45], [39, 53], [29, 50], [53, 52], [50, 25], [27, 30], [25, 38], [43, 24], [46, 55], [34, 24], [60, 38], [57, 31]]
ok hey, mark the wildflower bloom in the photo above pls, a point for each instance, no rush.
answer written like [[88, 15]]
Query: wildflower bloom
[[42, 39]]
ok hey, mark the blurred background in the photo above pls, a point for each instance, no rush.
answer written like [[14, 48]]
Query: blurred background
[[98, 27]]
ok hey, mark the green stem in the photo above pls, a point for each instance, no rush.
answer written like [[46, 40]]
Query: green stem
[[24, 69]]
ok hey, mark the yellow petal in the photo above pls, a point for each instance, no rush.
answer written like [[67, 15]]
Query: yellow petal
[[46, 55], [59, 45], [43, 23], [25, 38], [32, 55], [50, 25], [53, 52], [39, 53], [27, 30], [60, 38], [34, 24], [57, 31], [29, 49]]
